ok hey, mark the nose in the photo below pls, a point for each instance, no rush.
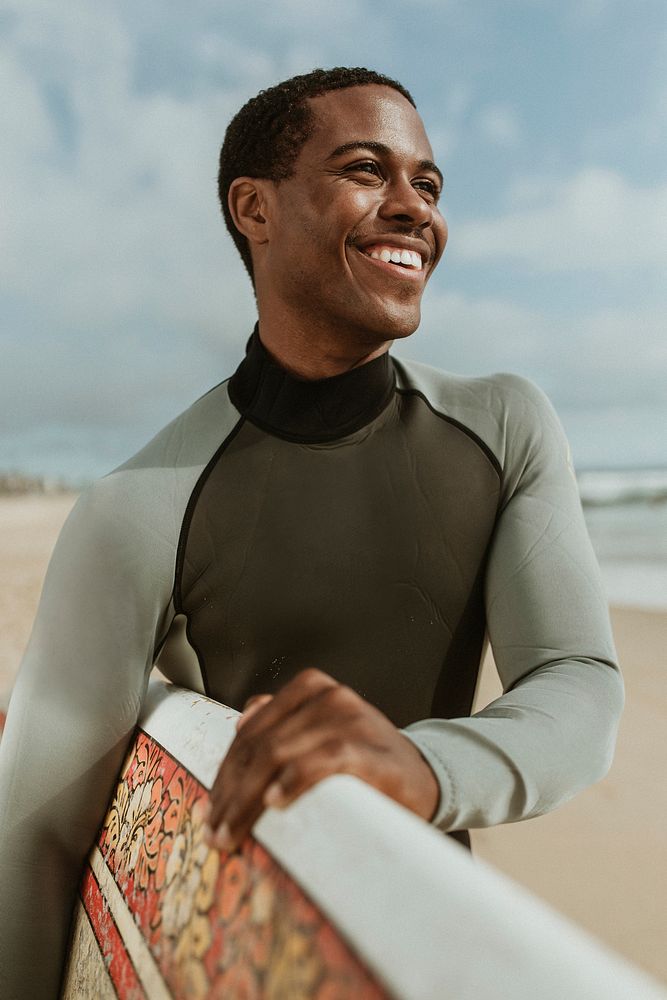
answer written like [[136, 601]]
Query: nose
[[405, 204]]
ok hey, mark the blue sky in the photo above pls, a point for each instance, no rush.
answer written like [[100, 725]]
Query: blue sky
[[122, 298]]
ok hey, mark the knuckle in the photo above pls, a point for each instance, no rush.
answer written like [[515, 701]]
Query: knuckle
[[343, 698], [256, 699], [340, 753], [274, 752], [311, 677]]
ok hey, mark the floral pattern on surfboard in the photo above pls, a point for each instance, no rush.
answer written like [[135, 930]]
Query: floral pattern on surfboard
[[212, 924]]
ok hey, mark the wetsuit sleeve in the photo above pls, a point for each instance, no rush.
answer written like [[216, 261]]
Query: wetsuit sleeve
[[552, 732], [72, 712]]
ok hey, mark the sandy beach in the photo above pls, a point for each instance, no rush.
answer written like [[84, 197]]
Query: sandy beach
[[601, 859]]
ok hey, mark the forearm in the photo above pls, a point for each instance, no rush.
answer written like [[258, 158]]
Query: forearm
[[529, 751], [552, 732], [72, 712], [56, 777]]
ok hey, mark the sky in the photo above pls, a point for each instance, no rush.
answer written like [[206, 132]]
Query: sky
[[122, 298]]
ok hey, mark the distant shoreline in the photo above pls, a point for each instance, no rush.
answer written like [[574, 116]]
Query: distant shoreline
[[17, 484]]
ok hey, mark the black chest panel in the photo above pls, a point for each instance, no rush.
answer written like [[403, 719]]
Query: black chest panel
[[361, 556]]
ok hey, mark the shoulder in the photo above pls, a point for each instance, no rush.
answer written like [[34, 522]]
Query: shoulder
[[190, 438], [488, 404], [509, 413], [140, 505], [502, 391]]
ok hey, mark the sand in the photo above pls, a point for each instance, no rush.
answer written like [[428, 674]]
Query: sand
[[601, 859]]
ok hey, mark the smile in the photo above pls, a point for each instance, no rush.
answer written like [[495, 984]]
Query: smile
[[394, 255]]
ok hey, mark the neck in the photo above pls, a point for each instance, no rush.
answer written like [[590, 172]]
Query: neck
[[316, 351], [309, 410]]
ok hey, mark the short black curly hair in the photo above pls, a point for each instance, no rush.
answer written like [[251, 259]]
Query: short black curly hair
[[264, 138]]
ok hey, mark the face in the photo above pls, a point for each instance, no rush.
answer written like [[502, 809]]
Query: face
[[356, 231]]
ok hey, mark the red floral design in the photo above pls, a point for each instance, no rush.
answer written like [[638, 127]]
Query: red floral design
[[232, 926]]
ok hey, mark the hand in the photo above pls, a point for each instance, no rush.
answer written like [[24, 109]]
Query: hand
[[314, 727]]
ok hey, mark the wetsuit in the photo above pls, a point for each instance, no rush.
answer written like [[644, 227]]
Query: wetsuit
[[376, 525]]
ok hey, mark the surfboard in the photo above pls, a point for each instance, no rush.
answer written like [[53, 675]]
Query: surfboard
[[162, 915], [342, 896]]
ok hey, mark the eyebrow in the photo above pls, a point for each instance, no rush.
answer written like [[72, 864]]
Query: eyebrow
[[381, 150]]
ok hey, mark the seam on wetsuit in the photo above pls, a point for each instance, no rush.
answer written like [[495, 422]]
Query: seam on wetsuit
[[189, 513], [198, 654], [481, 444], [177, 594]]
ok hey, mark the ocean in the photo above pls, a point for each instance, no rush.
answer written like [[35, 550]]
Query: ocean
[[626, 514]]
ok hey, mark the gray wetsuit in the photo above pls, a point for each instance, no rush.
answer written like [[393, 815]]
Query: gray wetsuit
[[378, 525]]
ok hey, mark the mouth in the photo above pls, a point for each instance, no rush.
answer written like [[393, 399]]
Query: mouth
[[398, 256], [394, 259]]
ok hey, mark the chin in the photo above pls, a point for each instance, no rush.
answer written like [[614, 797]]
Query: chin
[[399, 323]]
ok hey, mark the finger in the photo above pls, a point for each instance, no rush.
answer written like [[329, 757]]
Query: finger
[[248, 743], [301, 688], [252, 764], [251, 707], [332, 757], [327, 755], [261, 749], [246, 778]]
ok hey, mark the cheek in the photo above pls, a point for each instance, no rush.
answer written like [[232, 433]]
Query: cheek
[[361, 204], [348, 209], [442, 232]]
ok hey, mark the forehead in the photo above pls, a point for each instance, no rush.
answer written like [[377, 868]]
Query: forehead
[[370, 112]]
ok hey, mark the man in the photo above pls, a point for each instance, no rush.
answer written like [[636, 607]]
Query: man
[[324, 538]]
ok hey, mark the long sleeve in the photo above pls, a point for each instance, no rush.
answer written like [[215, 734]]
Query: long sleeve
[[105, 610], [72, 712], [552, 732]]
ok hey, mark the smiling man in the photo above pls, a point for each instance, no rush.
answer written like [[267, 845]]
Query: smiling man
[[324, 541]]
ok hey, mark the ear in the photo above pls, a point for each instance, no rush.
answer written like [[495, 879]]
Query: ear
[[247, 205]]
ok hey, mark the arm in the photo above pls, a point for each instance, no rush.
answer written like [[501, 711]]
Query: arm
[[72, 713], [312, 728], [552, 732], [549, 735]]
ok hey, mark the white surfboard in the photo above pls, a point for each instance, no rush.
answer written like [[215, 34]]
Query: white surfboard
[[343, 896]]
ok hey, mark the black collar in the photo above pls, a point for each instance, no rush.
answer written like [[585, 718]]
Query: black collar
[[309, 410]]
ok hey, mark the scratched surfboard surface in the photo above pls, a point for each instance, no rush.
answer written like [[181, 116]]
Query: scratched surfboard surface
[[161, 915]]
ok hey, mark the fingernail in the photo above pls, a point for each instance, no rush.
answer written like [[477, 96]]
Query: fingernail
[[206, 812], [223, 839], [273, 796]]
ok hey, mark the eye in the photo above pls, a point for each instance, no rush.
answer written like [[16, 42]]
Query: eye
[[369, 167], [424, 184]]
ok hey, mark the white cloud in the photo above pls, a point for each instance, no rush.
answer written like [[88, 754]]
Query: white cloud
[[124, 295], [601, 355], [595, 220], [128, 221], [499, 124], [447, 126], [604, 371]]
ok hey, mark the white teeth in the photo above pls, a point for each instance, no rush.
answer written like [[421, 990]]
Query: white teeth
[[408, 258]]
